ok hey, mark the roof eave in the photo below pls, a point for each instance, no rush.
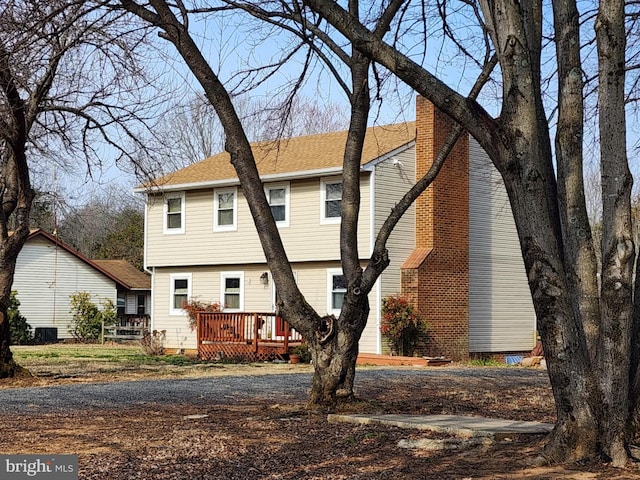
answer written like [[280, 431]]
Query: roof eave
[[275, 177], [370, 165], [227, 182]]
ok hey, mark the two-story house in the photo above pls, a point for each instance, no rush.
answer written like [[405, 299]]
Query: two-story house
[[455, 253]]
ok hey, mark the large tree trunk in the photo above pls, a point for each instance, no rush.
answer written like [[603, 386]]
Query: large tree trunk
[[334, 349], [8, 367], [524, 159], [575, 435], [618, 250]]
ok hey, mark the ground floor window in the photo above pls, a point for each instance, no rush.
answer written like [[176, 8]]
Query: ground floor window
[[141, 307], [232, 290], [180, 292], [336, 290]]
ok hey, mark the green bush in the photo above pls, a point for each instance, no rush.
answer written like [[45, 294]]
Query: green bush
[[88, 317], [304, 352], [21, 333]]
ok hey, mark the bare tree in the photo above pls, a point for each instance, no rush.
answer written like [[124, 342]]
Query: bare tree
[[333, 341], [586, 326], [109, 225], [193, 131], [66, 92]]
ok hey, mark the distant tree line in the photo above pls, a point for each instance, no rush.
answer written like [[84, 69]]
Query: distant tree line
[[109, 225]]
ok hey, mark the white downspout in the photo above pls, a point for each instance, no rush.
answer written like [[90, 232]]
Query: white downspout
[[152, 272]]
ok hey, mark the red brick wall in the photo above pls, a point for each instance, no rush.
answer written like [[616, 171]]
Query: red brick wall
[[439, 287]]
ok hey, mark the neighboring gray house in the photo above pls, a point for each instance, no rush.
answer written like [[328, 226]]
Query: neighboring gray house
[[48, 271]]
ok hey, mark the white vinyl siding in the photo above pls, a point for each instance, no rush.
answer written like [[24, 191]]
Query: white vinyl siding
[[257, 297], [501, 315], [46, 276], [305, 239], [392, 178]]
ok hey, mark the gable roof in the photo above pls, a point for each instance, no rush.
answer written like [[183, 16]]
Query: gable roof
[[127, 273], [294, 157], [126, 281]]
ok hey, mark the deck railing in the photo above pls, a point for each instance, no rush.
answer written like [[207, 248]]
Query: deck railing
[[261, 332]]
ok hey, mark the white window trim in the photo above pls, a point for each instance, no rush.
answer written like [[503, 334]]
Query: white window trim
[[286, 186], [225, 228], [225, 275], [274, 289], [324, 220], [165, 226], [172, 278], [330, 273]]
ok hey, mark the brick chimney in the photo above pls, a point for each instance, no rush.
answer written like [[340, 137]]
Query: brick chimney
[[435, 277]]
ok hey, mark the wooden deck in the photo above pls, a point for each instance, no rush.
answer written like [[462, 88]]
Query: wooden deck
[[251, 336]]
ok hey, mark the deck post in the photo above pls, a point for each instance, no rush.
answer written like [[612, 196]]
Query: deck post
[[255, 332], [199, 330], [287, 331]]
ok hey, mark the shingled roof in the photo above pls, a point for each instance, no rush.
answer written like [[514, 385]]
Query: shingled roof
[[306, 154], [120, 271], [129, 275]]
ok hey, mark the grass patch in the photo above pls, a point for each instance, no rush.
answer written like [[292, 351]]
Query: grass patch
[[486, 362], [178, 360], [93, 358], [113, 362]]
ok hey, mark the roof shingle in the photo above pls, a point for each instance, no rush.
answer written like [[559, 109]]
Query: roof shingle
[[127, 273], [299, 154]]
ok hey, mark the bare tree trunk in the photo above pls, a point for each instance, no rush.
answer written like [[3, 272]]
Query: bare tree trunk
[[618, 250], [575, 434], [581, 262], [8, 367], [335, 354]]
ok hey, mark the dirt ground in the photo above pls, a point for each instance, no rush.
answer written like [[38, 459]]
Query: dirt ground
[[266, 439]]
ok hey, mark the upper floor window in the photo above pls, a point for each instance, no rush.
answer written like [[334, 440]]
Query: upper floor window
[[174, 213], [180, 292], [278, 198], [331, 199], [225, 206]]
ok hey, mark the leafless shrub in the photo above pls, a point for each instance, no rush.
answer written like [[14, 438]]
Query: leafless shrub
[[153, 342]]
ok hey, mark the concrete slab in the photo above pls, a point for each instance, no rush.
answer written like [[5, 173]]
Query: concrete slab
[[459, 425], [396, 360]]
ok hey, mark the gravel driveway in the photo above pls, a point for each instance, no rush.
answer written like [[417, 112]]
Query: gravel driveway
[[228, 389]]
